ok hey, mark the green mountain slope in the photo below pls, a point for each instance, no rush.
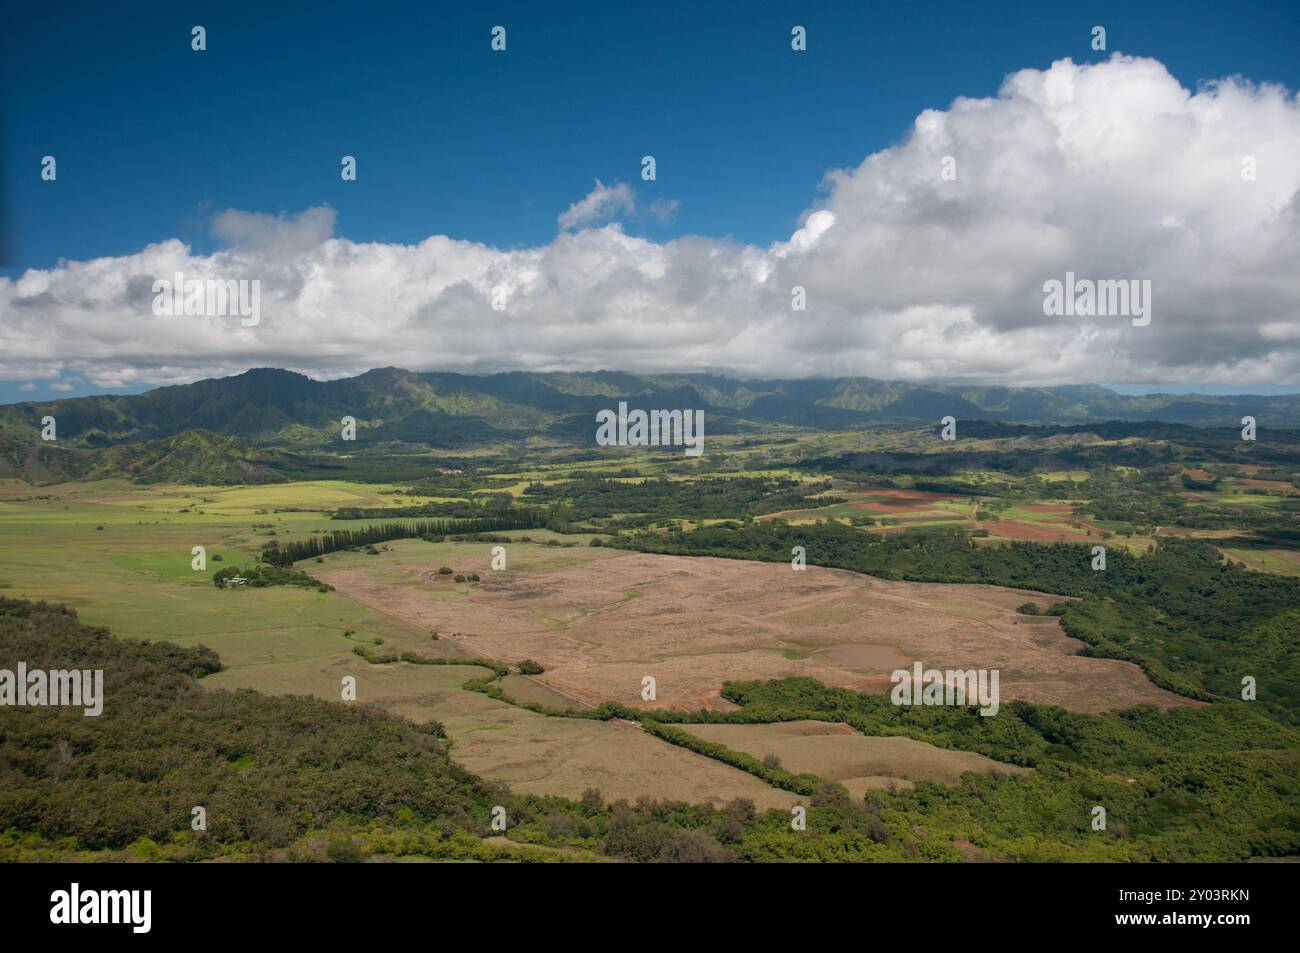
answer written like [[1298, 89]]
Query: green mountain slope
[[277, 409]]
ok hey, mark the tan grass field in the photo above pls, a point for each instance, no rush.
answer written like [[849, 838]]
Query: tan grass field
[[841, 753], [601, 620], [531, 753]]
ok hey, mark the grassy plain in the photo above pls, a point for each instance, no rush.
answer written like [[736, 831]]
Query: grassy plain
[[121, 555], [598, 619], [840, 753], [601, 620]]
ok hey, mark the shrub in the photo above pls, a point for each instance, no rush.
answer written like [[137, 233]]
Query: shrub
[[529, 667], [343, 851], [266, 575]]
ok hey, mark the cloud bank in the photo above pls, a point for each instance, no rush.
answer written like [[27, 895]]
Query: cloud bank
[[1110, 170]]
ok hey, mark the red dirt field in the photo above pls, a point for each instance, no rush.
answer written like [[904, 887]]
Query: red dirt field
[[599, 626], [1039, 532], [903, 501]]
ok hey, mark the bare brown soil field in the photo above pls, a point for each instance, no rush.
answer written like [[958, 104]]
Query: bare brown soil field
[[1037, 532], [600, 626], [903, 501], [840, 753]]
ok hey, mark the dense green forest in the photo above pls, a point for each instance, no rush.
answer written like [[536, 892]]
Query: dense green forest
[[593, 497], [1215, 783], [279, 778], [266, 769], [1151, 499], [295, 778], [499, 507]]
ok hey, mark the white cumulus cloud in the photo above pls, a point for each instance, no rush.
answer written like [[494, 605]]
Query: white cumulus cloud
[[1110, 170], [602, 204]]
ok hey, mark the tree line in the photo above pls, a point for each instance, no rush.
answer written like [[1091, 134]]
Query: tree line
[[1195, 622], [283, 554]]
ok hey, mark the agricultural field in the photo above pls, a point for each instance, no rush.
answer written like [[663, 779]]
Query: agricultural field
[[122, 556], [533, 672], [903, 510], [842, 754], [498, 741], [134, 575], [600, 620]]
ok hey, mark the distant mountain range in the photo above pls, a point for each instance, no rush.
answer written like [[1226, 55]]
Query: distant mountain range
[[251, 423], [284, 409]]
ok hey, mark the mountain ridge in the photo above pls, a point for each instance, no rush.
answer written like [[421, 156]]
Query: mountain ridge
[[283, 409], [269, 425]]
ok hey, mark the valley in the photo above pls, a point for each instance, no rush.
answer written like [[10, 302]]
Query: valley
[[770, 684]]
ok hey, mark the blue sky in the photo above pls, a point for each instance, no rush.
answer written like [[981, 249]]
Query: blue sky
[[452, 139], [152, 138]]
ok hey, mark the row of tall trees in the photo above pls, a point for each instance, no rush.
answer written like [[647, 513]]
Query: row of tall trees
[[287, 553]]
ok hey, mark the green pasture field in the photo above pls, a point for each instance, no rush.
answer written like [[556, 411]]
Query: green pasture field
[[1070, 476], [1234, 498], [121, 556], [1265, 558]]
